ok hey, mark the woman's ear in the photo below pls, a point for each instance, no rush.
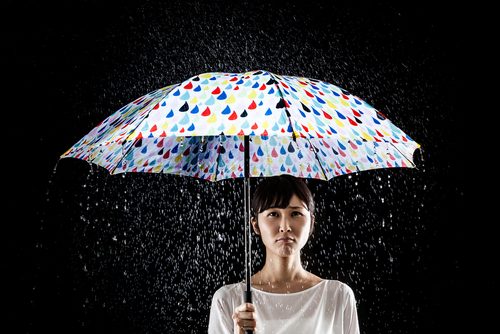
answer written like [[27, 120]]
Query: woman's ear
[[255, 226], [313, 222]]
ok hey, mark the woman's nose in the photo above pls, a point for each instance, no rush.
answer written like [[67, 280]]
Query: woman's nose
[[284, 225]]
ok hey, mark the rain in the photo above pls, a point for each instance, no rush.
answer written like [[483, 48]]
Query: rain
[[144, 253]]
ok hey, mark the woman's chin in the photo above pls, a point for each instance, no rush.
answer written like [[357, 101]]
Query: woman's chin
[[286, 250]]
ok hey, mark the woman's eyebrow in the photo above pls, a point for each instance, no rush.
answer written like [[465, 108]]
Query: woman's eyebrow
[[297, 207]]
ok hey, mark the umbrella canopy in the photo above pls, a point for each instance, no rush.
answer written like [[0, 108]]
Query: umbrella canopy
[[299, 126]]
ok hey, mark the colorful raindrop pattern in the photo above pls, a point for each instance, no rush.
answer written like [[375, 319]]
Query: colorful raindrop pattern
[[299, 126]]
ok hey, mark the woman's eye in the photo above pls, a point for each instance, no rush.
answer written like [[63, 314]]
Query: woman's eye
[[272, 214], [297, 213]]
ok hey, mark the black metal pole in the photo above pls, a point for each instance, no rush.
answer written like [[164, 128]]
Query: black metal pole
[[248, 240]]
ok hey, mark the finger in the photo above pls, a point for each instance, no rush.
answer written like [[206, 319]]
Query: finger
[[248, 307], [246, 315], [246, 324]]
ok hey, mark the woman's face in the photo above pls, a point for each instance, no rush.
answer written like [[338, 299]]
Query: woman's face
[[284, 231]]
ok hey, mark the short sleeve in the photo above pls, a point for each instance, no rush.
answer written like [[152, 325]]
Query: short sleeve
[[351, 325], [220, 321]]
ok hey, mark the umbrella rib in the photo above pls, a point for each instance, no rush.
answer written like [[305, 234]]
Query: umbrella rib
[[125, 154], [317, 158], [409, 160], [287, 113], [152, 105], [217, 159]]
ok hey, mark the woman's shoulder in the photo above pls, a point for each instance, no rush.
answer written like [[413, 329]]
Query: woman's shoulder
[[336, 283], [228, 290], [336, 286]]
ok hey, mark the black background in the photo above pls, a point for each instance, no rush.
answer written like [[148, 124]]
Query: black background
[[91, 253]]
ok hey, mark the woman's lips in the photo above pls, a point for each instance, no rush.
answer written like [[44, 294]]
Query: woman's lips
[[285, 239]]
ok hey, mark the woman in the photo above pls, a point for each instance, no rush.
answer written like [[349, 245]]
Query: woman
[[286, 297]]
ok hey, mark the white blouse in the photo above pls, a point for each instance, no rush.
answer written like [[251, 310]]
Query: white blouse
[[329, 307]]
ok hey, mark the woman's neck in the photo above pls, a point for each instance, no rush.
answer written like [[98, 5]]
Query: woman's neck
[[279, 269]]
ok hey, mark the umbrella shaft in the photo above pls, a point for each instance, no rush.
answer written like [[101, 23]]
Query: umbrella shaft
[[248, 240]]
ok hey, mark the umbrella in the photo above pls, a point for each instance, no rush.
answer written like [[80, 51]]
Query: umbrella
[[216, 126]]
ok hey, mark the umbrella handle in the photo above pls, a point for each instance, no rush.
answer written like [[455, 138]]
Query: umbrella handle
[[248, 299]]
